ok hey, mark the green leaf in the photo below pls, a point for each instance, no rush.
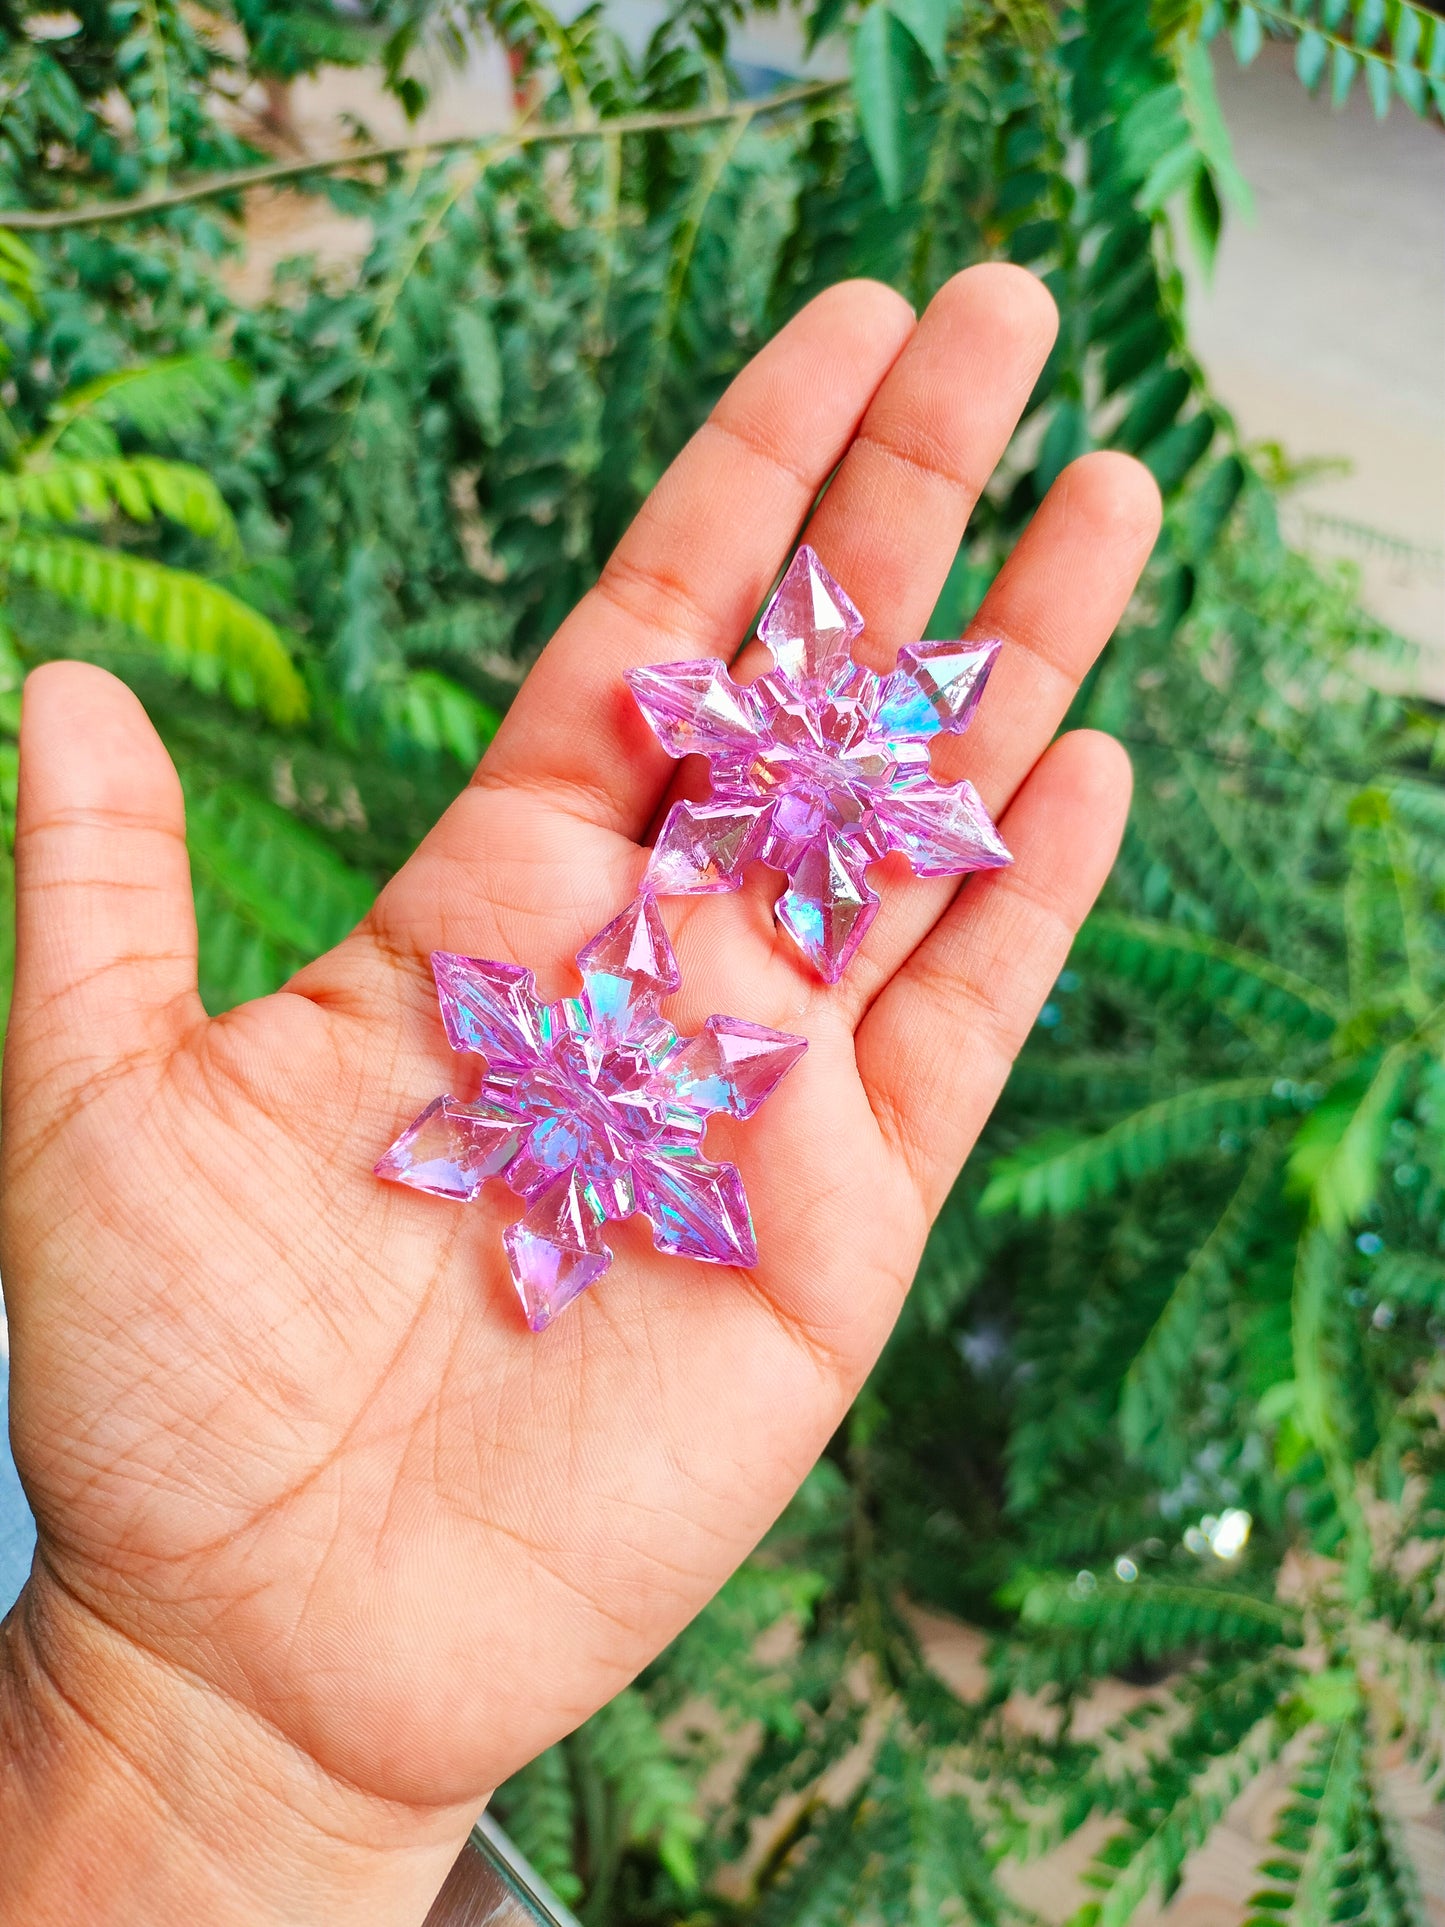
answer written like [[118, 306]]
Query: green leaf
[[480, 360], [20, 278], [1211, 130], [1331, 1835], [270, 894], [1153, 1860], [626, 1747], [1169, 957], [1050, 1177], [1159, 399], [1333, 1387], [1154, 1386], [139, 486], [929, 21], [1169, 176], [161, 399], [1410, 1278], [1153, 128], [1153, 1618], [1313, 1822], [1247, 35], [1331, 1696], [1410, 85], [1369, 22], [201, 630], [825, 18], [1066, 438], [1204, 219], [539, 1808], [1345, 66], [880, 90], [1378, 84], [1142, 344], [439, 714], [1335, 1159], [1406, 34], [1178, 449], [1211, 502], [1312, 51]]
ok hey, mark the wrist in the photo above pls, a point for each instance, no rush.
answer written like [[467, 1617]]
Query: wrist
[[131, 1791]]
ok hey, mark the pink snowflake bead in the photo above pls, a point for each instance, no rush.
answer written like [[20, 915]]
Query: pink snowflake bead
[[820, 767], [592, 1108]]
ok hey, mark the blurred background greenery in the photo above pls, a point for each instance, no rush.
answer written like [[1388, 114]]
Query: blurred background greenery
[[1160, 1423]]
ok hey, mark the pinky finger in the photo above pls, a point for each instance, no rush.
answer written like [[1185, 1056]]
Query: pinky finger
[[937, 1045]]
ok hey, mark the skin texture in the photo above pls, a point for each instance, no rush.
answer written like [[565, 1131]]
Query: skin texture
[[318, 1517]]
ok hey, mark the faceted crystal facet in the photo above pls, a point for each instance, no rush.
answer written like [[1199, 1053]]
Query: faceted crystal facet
[[730, 1065], [592, 1108], [698, 1210], [556, 1251], [819, 767], [942, 829], [828, 906], [809, 624], [937, 685], [702, 847], [635, 947], [627, 967], [452, 1149], [694, 707], [486, 1007]]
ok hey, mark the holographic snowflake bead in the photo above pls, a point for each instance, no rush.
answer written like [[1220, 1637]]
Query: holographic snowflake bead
[[819, 768], [592, 1108]]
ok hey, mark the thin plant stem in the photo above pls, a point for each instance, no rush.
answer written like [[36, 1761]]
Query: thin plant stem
[[561, 133]]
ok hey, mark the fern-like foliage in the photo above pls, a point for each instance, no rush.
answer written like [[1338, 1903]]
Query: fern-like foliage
[[139, 487], [270, 893], [1397, 51], [1065, 1177], [1155, 1389], [1189, 963], [1153, 1619], [540, 1810], [201, 629], [162, 401], [75, 474], [1148, 1856], [435, 713]]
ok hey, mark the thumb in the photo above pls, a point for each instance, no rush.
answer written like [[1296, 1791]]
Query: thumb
[[105, 927]]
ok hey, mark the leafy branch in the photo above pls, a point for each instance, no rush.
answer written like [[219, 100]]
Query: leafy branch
[[274, 173]]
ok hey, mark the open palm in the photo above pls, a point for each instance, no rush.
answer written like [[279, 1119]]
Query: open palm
[[286, 1436]]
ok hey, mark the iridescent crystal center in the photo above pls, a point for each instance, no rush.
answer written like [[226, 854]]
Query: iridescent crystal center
[[822, 763], [594, 1105]]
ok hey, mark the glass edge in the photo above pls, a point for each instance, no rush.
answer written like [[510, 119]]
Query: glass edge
[[489, 1840]]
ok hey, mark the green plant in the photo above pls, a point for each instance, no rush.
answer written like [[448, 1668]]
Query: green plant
[[76, 476], [1201, 1275], [66, 494]]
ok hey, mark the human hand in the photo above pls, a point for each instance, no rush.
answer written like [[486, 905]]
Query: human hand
[[329, 1544]]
